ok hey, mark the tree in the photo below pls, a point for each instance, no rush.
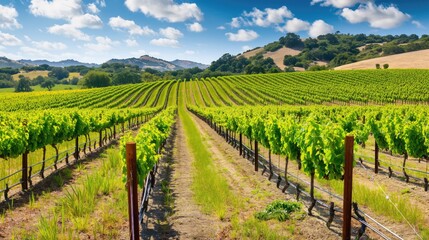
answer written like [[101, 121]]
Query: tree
[[59, 73], [74, 81], [23, 84], [377, 66], [96, 79], [291, 40], [48, 83], [126, 76], [385, 66], [289, 60]]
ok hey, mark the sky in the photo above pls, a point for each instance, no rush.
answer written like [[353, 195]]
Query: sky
[[95, 31]]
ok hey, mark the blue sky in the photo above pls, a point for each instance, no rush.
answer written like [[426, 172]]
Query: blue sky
[[198, 30]]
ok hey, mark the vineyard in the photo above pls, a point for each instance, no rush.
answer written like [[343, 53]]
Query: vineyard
[[289, 126]]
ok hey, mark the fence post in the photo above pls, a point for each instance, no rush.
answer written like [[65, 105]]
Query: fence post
[[348, 181], [256, 156], [133, 211], [24, 178], [376, 158], [241, 144], [76, 150]]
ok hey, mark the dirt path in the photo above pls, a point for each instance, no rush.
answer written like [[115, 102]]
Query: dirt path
[[187, 221], [257, 191]]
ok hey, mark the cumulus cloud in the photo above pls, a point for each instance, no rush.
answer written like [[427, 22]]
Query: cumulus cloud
[[56, 9], [165, 42], [119, 23], [131, 43], [46, 45], [338, 3], [101, 44], [9, 40], [93, 8], [195, 27], [265, 18], [417, 24], [86, 21], [102, 3], [221, 28], [242, 36], [171, 33], [320, 27], [167, 10], [377, 16], [69, 31], [8, 18], [295, 25]]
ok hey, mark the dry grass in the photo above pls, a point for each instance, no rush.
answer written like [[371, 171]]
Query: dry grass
[[410, 60], [252, 53]]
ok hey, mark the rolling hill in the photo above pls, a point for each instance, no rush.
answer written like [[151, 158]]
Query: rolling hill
[[416, 59], [63, 63]]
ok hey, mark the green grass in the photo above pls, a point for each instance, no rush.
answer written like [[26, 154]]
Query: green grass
[[93, 206], [211, 190], [39, 89], [376, 200]]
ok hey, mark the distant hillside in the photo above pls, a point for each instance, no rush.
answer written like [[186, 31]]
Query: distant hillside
[[333, 50], [6, 62], [189, 64], [148, 62], [417, 59], [64, 63]]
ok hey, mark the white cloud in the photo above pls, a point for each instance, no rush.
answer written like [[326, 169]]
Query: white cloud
[[86, 21], [195, 27], [8, 18], [56, 9], [46, 45], [235, 22], [131, 43], [102, 44], [35, 52], [165, 42], [295, 25], [166, 9], [242, 36], [171, 33], [189, 52], [93, 8], [9, 40], [246, 48], [338, 3], [417, 24], [264, 18], [69, 31], [119, 23], [319, 27], [221, 28], [102, 3], [377, 16]]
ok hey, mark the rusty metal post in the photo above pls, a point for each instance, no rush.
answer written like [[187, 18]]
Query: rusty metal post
[[348, 182], [256, 156], [133, 211]]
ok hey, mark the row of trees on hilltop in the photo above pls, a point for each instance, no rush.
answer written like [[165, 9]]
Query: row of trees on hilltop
[[339, 49]]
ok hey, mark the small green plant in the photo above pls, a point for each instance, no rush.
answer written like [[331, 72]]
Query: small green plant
[[279, 209], [405, 191]]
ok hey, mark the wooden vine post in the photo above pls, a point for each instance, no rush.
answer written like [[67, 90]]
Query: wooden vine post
[[24, 179], [348, 181], [376, 158], [133, 211], [256, 156], [241, 144]]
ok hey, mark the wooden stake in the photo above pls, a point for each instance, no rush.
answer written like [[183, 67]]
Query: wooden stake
[[133, 211], [348, 181]]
